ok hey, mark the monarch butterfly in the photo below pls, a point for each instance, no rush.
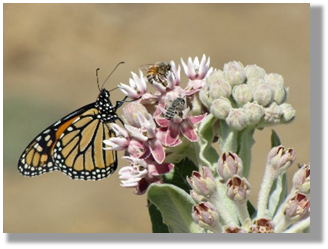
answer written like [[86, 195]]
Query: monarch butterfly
[[74, 144]]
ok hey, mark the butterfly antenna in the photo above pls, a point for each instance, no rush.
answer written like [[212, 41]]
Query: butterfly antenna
[[97, 78], [111, 73]]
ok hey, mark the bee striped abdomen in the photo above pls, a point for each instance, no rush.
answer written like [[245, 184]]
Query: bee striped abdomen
[[175, 108], [159, 73]]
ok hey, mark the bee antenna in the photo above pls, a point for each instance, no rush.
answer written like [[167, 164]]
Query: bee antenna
[[107, 76]]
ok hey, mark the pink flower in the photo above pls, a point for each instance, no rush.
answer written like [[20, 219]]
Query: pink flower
[[123, 141], [171, 129], [137, 88], [141, 173], [196, 72], [176, 73], [148, 135]]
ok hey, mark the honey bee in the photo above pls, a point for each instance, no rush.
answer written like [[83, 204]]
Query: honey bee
[[174, 108], [159, 72]]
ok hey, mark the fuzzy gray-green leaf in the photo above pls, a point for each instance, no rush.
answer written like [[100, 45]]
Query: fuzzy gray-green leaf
[[176, 207]]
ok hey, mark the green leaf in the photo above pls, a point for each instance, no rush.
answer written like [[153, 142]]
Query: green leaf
[[278, 193], [157, 220], [208, 154], [175, 206], [251, 209], [275, 140], [178, 175]]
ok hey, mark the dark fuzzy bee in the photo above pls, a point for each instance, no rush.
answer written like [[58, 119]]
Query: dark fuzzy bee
[[159, 72], [175, 108]]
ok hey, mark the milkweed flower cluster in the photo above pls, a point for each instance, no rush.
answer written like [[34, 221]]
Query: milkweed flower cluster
[[168, 136], [148, 133]]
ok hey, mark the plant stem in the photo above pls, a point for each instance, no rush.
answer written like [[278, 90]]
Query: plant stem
[[299, 226], [245, 144], [266, 185], [280, 212], [282, 225], [242, 212], [228, 138], [224, 206]]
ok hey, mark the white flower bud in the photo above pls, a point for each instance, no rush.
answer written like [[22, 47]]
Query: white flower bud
[[253, 83], [242, 94], [274, 78], [263, 95], [130, 113], [214, 76], [204, 96], [237, 119], [220, 88], [288, 113], [234, 72], [254, 112], [272, 113], [221, 107], [254, 71]]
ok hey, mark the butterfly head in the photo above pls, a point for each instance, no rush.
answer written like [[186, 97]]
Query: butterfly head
[[107, 112]]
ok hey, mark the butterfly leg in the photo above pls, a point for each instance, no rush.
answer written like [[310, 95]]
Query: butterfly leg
[[120, 103]]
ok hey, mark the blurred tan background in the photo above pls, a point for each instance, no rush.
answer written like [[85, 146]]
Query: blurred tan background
[[51, 52]]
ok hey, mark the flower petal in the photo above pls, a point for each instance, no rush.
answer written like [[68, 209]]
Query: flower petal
[[159, 87], [145, 154], [197, 119], [163, 122], [157, 150], [129, 91], [142, 187], [188, 131], [203, 67], [119, 131], [176, 73], [160, 169], [135, 132], [172, 134], [160, 106], [139, 82], [136, 148], [116, 143], [192, 67]]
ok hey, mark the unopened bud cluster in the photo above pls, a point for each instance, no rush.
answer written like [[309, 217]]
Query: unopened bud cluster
[[246, 96], [206, 191]]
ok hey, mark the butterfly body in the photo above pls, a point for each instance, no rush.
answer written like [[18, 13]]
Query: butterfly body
[[74, 144]]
